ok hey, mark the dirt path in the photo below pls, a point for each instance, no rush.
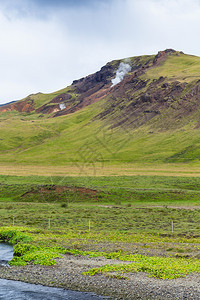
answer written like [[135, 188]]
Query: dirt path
[[156, 206]]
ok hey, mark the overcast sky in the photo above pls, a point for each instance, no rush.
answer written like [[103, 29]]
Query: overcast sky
[[46, 44]]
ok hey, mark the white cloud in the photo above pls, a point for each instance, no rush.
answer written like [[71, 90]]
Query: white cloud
[[45, 48]]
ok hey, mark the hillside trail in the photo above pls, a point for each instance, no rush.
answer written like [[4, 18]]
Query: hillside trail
[[155, 206]]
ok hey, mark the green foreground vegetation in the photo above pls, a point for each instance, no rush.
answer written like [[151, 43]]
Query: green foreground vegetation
[[130, 220], [41, 247]]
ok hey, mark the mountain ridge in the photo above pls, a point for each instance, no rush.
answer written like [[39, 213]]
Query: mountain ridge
[[152, 115], [84, 91]]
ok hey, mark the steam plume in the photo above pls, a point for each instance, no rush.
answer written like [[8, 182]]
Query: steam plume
[[62, 106], [122, 70]]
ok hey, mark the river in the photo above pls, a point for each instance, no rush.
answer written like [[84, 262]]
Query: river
[[17, 290]]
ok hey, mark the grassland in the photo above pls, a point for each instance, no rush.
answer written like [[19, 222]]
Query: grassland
[[130, 220], [177, 67], [26, 141], [42, 99]]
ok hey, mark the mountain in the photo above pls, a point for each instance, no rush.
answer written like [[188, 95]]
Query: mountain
[[135, 110]]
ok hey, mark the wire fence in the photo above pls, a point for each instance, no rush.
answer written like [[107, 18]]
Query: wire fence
[[86, 224]]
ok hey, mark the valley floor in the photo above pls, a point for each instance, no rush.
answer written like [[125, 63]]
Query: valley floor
[[102, 169], [143, 243]]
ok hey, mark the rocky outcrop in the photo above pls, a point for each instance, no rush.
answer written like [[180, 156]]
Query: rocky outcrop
[[95, 81], [138, 98], [140, 101], [61, 98], [90, 89], [55, 105], [162, 55]]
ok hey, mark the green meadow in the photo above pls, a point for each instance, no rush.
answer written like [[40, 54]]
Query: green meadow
[[128, 218], [27, 140], [130, 203]]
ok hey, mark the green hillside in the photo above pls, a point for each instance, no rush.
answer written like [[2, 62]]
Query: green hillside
[[180, 67], [122, 127]]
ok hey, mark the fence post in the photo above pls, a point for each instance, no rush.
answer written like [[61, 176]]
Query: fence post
[[172, 226], [13, 220], [89, 225], [49, 223]]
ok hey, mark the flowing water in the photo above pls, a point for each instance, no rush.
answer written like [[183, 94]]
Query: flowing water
[[16, 290], [6, 253]]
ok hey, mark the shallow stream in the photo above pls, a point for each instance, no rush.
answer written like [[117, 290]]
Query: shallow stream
[[17, 290]]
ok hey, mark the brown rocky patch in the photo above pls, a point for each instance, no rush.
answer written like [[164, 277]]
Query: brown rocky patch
[[20, 106], [60, 189]]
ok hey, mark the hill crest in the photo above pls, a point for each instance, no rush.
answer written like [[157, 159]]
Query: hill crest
[[152, 115], [88, 90]]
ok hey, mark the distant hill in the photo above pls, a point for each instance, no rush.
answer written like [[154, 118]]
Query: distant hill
[[135, 110], [7, 103]]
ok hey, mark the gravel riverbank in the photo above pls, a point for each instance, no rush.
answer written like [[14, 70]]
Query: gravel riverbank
[[67, 274]]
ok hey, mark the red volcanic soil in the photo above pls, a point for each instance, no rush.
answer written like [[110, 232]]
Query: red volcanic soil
[[20, 106]]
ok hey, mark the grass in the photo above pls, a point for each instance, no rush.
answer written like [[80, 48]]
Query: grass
[[44, 247], [126, 222], [137, 191], [72, 140], [42, 99], [113, 218], [156, 183], [116, 217], [180, 67], [158, 267]]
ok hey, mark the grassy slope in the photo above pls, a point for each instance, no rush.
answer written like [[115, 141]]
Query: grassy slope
[[29, 140], [180, 67], [41, 99], [70, 138]]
